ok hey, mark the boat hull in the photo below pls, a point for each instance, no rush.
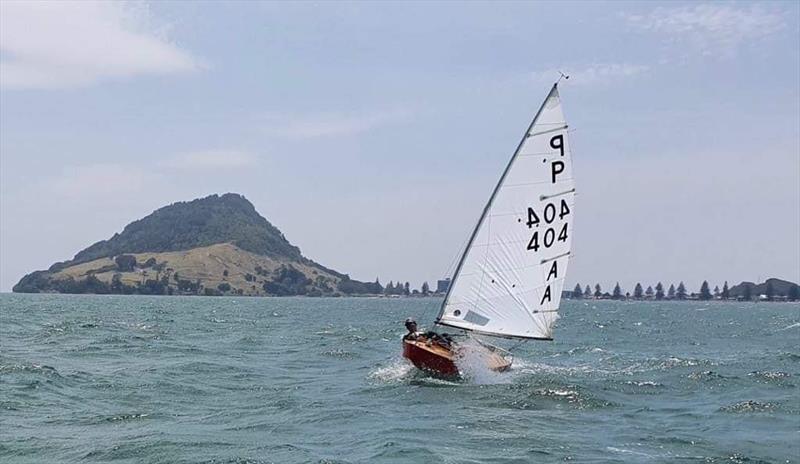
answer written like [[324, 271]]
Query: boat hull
[[439, 360], [432, 358]]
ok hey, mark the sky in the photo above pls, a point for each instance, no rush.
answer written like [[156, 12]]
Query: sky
[[372, 133]]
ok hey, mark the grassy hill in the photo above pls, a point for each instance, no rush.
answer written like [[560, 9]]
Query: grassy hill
[[215, 245]]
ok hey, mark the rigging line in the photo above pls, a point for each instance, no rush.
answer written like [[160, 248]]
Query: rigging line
[[517, 345], [459, 252], [538, 183], [547, 260], [555, 129], [547, 197], [485, 259]]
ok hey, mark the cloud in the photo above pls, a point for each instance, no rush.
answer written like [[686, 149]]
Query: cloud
[[711, 28], [98, 181], [210, 159], [594, 74], [330, 124], [114, 180], [60, 44]]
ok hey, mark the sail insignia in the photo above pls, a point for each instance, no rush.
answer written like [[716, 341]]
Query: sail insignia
[[509, 280]]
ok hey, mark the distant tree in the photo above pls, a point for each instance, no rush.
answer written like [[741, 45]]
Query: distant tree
[[659, 291], [649, 292], [716, 291], [793, 293], [150, 262], [747, 292], [705, 293], [671, 291], [587, 292], [211, 292], [224, 287], [725, 291], [617, 295], [225, 273], [637, 291], [577, 293], [598, 292], [389, 288], [125, 263], [770, 291], [116, 283], [681, 292], [176, 276], [407, 289], [425, 288]]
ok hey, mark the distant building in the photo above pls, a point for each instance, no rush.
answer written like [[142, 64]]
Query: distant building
[[442, 285]]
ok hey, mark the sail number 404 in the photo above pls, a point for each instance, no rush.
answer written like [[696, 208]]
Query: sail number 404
[[549, 215], [549, 237]]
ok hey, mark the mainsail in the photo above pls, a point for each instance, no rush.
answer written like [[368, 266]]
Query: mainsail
[[509, 280]]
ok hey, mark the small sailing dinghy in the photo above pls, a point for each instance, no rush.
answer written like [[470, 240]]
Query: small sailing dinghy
[[509, 280]]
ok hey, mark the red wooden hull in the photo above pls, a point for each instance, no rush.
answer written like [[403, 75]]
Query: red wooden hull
[[434, 359]]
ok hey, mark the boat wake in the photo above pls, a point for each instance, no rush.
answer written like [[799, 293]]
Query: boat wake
[[397, 371]]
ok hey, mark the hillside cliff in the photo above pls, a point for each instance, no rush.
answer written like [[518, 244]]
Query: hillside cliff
[[215, 245]]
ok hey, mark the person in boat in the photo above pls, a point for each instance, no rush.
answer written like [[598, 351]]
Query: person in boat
[[411, 326], [429, 336]]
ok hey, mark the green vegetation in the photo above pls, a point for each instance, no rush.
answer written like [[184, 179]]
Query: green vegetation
[[617, 294], [125, 263], [637, 291], [770, 290], [705, 293], [659, 291], [354, 287], [681, 293], [229, 218], [577, 293]]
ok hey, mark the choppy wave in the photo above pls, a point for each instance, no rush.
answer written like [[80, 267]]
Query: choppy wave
[[749, 406], [146, 379]]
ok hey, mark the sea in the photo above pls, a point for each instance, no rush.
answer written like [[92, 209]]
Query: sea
[[141, 379]]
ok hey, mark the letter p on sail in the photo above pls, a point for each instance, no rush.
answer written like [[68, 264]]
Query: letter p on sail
[[557, 143], [556, 168]]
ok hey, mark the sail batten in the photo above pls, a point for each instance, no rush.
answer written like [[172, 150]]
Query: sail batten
[[509, 279]]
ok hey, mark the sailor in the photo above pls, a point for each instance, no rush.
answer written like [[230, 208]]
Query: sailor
[[411, 326]]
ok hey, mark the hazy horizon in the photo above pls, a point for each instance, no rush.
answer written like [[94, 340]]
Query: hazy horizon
[[372, 135]]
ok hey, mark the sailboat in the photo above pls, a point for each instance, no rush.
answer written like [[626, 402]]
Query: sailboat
[[509, 279]]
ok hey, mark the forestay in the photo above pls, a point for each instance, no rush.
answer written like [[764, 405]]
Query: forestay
[[510, 277]]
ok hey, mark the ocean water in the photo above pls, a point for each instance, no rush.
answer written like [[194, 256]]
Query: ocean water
[[299, 380]]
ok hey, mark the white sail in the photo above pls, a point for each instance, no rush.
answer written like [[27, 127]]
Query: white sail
[[510, 277]]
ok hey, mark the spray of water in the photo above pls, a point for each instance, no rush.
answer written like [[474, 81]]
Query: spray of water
[[397, 371], [472, 360]]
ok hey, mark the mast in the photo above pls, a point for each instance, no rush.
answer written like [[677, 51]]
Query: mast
[[489, 205]]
